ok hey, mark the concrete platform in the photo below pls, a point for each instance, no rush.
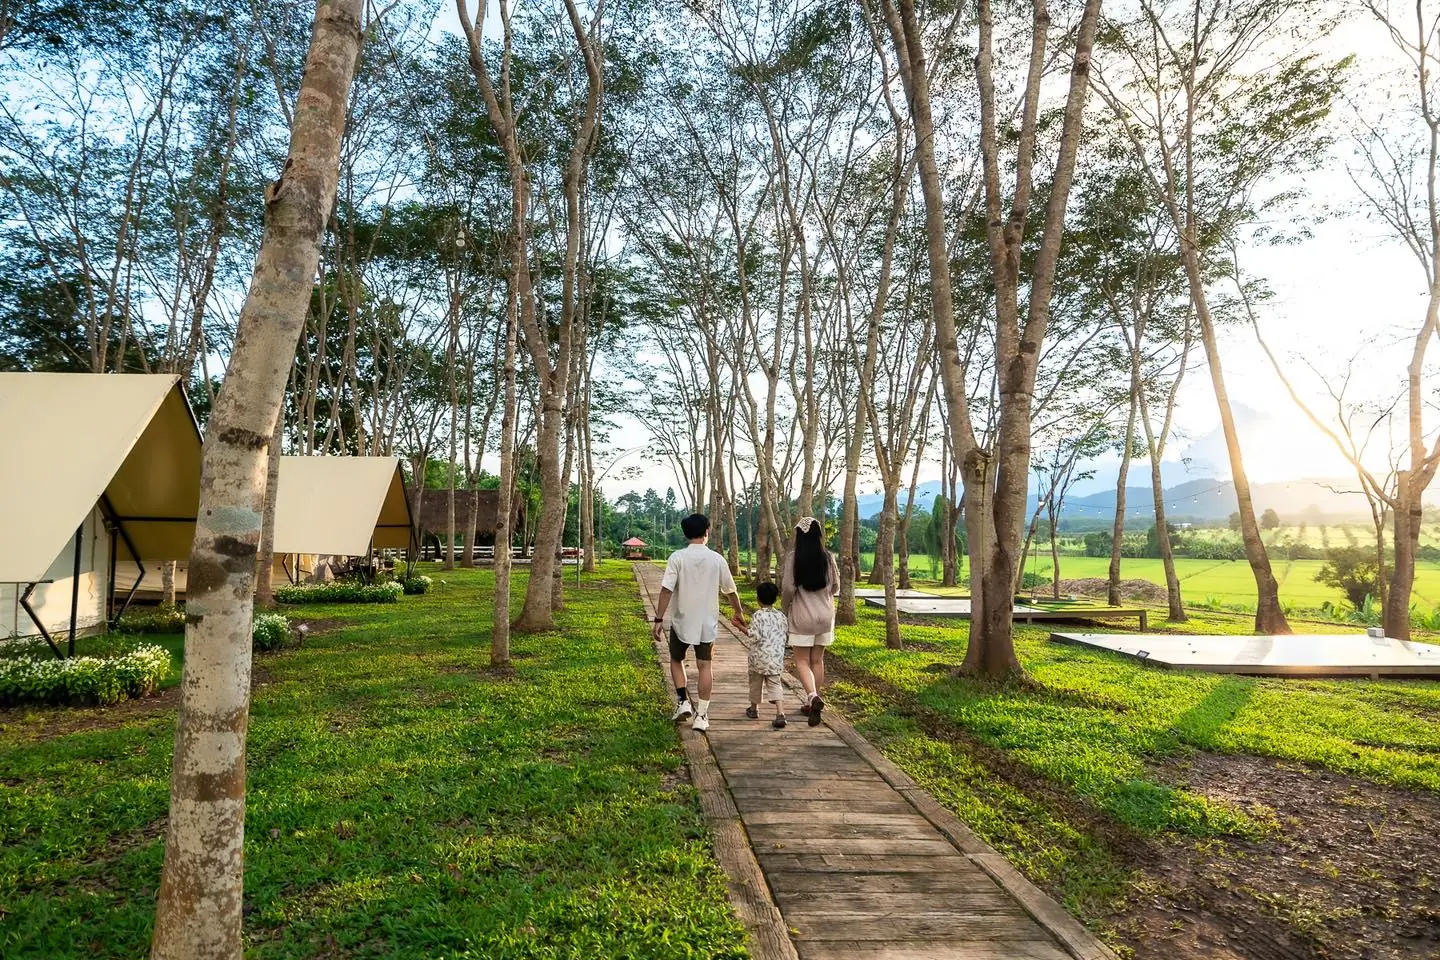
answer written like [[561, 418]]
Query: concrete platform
[[932, 606], [1313, 655], [871, 593]]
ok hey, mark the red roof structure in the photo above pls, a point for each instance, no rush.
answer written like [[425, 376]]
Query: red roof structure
[[634, 542]]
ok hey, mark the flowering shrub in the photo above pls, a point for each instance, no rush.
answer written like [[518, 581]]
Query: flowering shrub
[[166, 618], [83, 680], [341, 592], [418, 584], [270, 632]]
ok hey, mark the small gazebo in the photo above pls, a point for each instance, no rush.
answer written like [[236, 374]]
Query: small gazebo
[[635, 549]]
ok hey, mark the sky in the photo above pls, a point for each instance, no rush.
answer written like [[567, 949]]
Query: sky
[[1347, 291]]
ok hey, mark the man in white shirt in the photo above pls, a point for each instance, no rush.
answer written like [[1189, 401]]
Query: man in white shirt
[[695, 577]]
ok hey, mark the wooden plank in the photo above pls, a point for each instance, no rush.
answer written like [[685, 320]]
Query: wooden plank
[[860, 864], [1069, 931], [772, 770], [891, 904], [829, 790], [886, 805], [940, 883], [955, 926], [903, 828], [837, 815], [934, 846]]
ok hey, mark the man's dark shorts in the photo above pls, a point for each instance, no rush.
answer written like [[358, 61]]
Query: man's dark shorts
[[677, 649]]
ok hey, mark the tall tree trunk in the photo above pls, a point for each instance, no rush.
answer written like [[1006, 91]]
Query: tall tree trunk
[[884, 568], [1162, 537], [587, 487], [1117, 542], [1269, 616], [850, 510], [1054, 516], [996, 481], [1408, 513], [902, 534], [198, 909], [505, 506], [265, 559], [468, 528], [167, 582]]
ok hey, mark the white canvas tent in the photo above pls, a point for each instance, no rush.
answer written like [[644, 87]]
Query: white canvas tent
[[341, 506], [99, 468]]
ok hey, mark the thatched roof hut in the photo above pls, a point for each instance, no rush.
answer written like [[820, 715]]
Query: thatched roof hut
[[434, 512]]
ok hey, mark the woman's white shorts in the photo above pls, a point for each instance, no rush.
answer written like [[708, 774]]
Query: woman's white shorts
[[812, 639]]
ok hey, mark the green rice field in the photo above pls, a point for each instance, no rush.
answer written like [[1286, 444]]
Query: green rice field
[[1228, 581]]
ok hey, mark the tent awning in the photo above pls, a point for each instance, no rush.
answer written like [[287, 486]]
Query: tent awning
[[72, 438], [340, 505]]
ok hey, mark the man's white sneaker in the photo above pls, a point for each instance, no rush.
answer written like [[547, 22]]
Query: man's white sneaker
[[701, 722], [682, 710]]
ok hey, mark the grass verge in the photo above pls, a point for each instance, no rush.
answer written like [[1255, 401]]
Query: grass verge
[[403, 799]]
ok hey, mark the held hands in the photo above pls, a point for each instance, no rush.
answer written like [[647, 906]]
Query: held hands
[[738, 621]]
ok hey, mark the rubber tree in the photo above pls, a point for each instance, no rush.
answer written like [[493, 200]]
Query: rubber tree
[[1396, 171], [1217, 101], [996, 477], [199, 906]]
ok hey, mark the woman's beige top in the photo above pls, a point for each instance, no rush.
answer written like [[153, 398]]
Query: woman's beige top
[[811, 612]]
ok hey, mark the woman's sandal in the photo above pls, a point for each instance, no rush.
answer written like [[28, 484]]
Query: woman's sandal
[[816, 706]]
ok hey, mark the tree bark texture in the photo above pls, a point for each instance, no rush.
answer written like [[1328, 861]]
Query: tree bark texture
[[265, 560], [198, 910]]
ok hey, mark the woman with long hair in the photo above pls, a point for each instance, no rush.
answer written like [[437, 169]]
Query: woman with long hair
[[809, 581]]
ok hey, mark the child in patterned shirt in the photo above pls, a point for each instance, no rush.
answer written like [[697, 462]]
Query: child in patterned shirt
[[769, 631]]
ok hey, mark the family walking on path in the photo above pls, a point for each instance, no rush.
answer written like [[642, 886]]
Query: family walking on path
[[695, 579]]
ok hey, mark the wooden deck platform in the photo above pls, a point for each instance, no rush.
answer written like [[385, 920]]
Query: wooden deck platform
[[922, 604], [834, 853]]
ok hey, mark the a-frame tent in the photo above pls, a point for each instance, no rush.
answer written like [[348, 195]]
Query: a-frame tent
[[98, 469], [341, 506]]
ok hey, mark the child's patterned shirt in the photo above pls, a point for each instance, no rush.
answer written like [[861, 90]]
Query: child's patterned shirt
[[769, 631]]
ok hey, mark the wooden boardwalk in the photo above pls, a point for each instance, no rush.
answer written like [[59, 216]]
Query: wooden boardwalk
[[858, 859]]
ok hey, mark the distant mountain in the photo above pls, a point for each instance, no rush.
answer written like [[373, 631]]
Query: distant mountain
[[1199, 500], [872, 503]]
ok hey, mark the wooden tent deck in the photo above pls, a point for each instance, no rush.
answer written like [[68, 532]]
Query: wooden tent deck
[[833, 853], [919, 603]]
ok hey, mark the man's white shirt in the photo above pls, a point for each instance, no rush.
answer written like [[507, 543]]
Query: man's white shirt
[[696, 577]]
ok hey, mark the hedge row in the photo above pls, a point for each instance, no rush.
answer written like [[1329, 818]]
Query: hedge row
[[341, 592], [83, 680]]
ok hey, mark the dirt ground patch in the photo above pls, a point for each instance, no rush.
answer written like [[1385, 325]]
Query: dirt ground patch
[[1142, 590], [316, 627], [1353, 869], [1350, 872], [62, 721]]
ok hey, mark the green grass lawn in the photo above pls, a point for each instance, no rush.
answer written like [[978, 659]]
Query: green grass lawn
[[1039, 771], [1227, 581], [403, 801]]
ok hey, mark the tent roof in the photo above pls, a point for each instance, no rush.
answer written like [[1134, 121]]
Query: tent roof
[[634, 542], [71, 438], [340, 505]]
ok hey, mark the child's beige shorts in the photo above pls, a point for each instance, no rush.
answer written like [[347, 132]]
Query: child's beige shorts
[[766, 688]]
